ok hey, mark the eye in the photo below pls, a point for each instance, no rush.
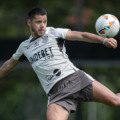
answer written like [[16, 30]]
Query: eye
[[45, 21], [38, 21]]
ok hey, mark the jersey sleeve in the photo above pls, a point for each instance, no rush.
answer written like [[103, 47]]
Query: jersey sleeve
[[61, 33], [19, 53]]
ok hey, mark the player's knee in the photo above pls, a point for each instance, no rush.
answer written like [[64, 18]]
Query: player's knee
[[50, 117]]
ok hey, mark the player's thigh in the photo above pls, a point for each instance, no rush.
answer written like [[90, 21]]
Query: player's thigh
[[56, 112], [103, 94]]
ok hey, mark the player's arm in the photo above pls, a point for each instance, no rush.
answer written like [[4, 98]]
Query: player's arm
[[7, 66], [89, 37]]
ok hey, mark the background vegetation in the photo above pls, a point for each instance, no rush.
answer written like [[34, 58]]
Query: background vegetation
[[80, 14], [21, 95]]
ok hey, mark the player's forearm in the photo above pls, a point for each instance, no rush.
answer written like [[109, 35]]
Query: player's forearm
[[108, 42], [89, 37], [93, 38], [84, 36], [5, 68]]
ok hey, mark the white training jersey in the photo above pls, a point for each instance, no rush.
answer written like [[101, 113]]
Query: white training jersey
[[47, 55]]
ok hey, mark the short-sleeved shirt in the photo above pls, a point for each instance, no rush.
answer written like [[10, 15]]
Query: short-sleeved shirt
[[47, 56]]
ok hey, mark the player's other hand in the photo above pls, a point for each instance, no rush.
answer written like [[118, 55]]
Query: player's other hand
[[111, 43]]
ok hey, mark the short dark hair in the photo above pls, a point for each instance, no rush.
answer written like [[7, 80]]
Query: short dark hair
[[36, 11]]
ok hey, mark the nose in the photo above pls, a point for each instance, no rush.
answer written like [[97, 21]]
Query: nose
[[42, 24]]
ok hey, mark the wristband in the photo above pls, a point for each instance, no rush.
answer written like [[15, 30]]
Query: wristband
[[104, 41]]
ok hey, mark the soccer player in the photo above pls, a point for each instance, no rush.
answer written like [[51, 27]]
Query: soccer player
[[64, 83]]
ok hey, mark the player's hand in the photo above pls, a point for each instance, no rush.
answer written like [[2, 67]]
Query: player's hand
[[110, 43]]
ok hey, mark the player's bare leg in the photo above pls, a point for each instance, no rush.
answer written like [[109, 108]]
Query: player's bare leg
[[56, 112], [104, 95]]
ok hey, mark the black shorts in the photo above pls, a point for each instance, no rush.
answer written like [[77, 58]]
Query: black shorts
[[67, 92]]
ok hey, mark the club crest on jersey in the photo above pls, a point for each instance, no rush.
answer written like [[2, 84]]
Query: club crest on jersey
[[36, 44], [56, 73], [45, 39]]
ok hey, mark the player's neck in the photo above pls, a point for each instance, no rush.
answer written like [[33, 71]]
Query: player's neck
[[34, 36]]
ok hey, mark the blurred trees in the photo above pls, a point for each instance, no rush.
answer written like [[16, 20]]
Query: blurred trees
[[61, 13], [13, 15], [21, 96]]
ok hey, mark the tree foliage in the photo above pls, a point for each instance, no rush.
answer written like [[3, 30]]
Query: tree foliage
[[13, 14], [21, 96]]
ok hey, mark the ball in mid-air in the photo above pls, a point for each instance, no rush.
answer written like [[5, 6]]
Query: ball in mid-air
[[107, 26]]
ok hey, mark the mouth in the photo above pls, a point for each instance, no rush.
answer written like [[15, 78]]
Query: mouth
[[41, 30]]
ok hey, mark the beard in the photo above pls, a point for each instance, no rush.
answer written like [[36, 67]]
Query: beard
[[35, 32]]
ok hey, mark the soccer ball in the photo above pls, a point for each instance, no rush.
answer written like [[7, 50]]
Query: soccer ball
[[107, 26]]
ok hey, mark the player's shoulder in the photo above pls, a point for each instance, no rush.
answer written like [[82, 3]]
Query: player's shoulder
[[55, 31], [26, 41], [51, 29]]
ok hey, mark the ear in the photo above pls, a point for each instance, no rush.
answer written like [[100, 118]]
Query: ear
[[29, 22]]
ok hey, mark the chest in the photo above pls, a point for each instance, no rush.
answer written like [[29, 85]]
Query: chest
[[44, 48]]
